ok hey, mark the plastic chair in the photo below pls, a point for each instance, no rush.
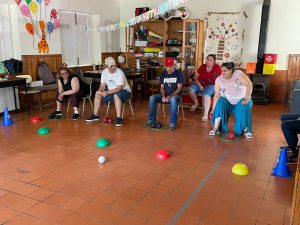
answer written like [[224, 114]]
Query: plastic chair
[[30, 91], [88, 81], [130, 82], [180, 105]]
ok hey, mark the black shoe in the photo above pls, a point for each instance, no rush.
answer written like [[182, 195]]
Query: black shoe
[[55, 114], [119, 122], [92, 118], [292, 160], [75, 116], [172, 128]]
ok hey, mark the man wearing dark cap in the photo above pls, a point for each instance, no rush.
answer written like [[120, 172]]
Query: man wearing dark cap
[[171, 81]]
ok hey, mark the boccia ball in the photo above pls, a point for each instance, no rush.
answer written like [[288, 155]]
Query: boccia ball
[[36, 119], [162, 154], [102, 143], [231, 135], [210, 116], [101, 159], [240, 169], [109, 120], [105, 120], [43, 130]]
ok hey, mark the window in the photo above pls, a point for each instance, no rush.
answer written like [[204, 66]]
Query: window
[[76, 38], [6, 50]]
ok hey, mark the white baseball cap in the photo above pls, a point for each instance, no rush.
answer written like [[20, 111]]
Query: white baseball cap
[[109, 61]]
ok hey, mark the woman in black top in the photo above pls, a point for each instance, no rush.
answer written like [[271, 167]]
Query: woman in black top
[[72, 87]]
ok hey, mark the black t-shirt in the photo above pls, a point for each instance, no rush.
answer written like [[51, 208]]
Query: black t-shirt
[[170, 81], [67, 86]]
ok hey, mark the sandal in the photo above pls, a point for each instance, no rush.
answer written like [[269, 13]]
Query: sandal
[[204, 118], [213, 133], [193, 108]]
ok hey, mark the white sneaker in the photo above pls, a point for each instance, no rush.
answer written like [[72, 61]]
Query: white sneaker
[[213, 133], [248, 135]]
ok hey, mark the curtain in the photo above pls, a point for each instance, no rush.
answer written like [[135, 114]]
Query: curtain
[[6, 51]]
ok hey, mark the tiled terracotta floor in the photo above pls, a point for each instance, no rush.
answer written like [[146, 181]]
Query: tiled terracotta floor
[[56, 178]]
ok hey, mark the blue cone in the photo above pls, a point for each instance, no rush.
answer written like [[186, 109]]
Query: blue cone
[[281, 169], [6, 120]]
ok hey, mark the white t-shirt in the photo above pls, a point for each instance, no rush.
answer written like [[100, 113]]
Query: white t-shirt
[[112, 80]]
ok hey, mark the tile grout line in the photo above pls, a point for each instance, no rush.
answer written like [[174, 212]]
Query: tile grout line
[[190, 199]]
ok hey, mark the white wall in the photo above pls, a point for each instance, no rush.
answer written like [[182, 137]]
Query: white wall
[[284, 31]]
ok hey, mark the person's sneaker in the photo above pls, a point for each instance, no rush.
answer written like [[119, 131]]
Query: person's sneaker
[[55, 114], [75, 116], [92, 118], [150, 124], [119, 122], [172, 127], [248, 135], [292, 160]]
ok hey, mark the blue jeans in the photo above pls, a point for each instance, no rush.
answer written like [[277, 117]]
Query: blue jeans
[[174, 101], [290, 126], [208, 90], [242, 114]]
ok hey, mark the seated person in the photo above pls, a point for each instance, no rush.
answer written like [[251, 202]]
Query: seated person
[[290, 126], [232, 94], [113, 87], [70, 86], [121, 62], [171, 81], [204, 83]]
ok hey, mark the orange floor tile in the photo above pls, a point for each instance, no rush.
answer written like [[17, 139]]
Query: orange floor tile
[[56, 178]]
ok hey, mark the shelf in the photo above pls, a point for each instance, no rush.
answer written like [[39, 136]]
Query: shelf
[[156, 46], [174, 46]]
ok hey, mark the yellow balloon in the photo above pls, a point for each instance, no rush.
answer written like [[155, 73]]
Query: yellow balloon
[[33, 7], [240, 169]]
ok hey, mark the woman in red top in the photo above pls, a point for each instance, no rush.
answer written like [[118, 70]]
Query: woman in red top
[[204, 83]]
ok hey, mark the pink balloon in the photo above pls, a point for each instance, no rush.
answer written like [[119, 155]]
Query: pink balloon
[[56, 23], [25, 10], [47, 2]]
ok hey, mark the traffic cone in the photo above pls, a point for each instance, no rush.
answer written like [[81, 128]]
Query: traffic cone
[[6, 120], [281, 169]]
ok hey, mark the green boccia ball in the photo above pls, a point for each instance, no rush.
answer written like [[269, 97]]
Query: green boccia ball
[[43, 130], [102, 143]]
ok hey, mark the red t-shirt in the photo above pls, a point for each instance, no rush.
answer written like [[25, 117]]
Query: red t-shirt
[[208, 78]]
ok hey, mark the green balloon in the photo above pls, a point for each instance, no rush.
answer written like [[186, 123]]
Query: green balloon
[[102, 143], [43, 130]]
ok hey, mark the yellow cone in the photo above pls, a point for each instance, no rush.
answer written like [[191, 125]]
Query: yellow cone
[[240, 169]]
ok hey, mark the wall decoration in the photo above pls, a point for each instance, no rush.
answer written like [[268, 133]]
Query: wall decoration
[[31, 10], [225, 37]]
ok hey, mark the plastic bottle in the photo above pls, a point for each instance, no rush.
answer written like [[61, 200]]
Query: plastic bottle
[[138, 65]]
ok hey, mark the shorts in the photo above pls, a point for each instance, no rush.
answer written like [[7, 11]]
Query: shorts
[[208, 90], [123, 96]]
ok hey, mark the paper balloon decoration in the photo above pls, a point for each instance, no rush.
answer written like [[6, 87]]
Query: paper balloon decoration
[[30, 29], [53, 14], [25, 10], [18, 1], [39, 1], [50, 27], [47, 2], [56, 23], [28, 1], [33, 7]]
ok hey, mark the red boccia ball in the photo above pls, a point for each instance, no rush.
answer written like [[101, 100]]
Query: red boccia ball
[[162, 154], [231, 135], [105, 120], [109, 120], [36, 119]]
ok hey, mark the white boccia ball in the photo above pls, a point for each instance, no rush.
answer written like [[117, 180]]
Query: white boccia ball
[[101, 159]]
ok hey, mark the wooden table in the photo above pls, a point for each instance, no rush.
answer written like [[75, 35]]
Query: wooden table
[[15, 82]]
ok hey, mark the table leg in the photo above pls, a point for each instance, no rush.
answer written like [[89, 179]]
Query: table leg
[[16, 108]]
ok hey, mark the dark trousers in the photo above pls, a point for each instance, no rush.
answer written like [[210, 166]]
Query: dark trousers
[[290, 126], [74, 98]]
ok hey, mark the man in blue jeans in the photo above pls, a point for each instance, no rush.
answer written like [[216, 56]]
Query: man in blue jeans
[[171, 81], [113, 87]]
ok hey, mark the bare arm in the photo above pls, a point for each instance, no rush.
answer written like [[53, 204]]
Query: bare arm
[[197, 81], [244, 80], [162, 91], [60, 87], [75, 87], [216, 96]]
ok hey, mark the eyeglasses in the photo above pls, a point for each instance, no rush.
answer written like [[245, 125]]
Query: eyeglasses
[[63, 73]]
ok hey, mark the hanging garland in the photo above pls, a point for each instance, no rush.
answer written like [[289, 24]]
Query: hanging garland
[[158, 10]]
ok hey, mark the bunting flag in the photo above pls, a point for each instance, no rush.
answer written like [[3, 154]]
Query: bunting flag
[[156, 11]]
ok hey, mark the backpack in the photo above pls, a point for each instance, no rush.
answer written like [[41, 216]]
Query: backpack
[[45, 74], [3, 69]]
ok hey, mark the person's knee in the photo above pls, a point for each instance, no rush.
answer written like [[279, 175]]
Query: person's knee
[[117, 98]]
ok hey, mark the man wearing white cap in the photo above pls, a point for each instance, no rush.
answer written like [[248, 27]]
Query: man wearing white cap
[[113, 87]]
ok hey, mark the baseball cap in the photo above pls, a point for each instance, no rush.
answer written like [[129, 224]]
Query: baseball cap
[[109, 61], [169, 62]]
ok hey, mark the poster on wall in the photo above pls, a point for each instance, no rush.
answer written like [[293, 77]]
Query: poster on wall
[[225, 37]]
